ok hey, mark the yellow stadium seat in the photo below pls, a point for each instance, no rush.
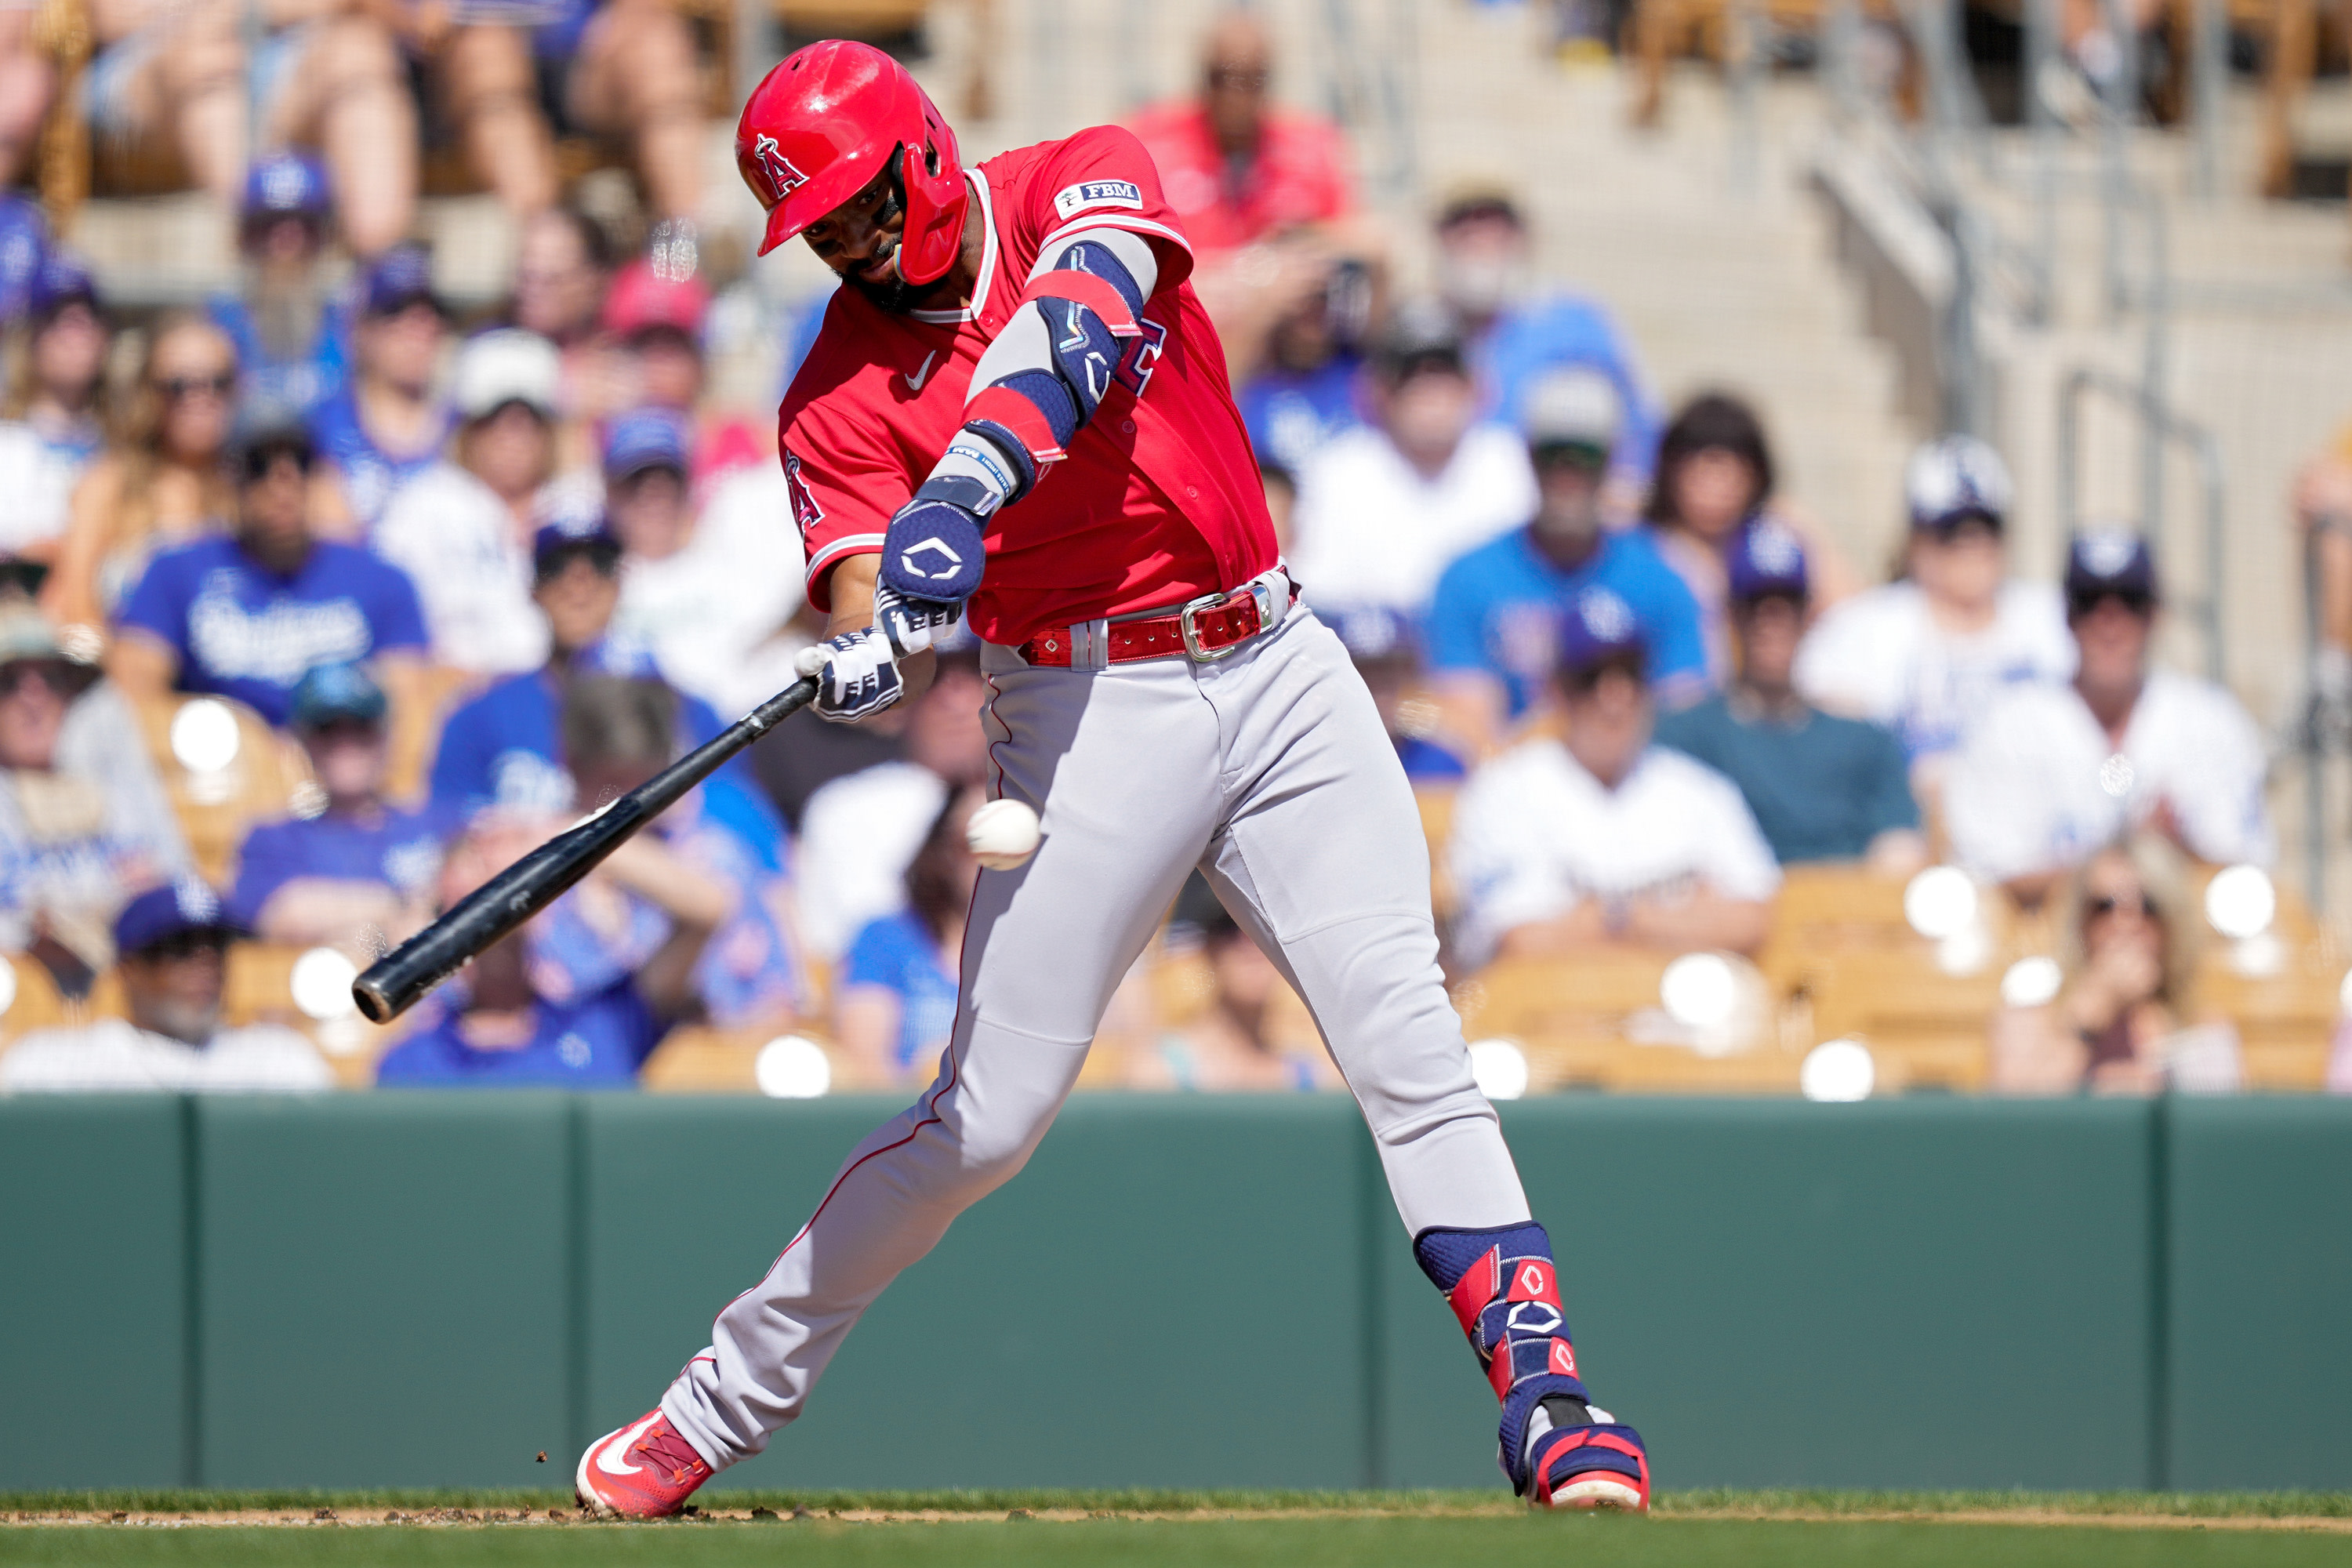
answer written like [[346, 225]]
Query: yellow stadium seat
[[1927, 1027], [214, 810], [37, 1003], [2285, 1022]]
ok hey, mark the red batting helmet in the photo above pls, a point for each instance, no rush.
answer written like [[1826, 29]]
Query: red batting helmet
[[824, 123]]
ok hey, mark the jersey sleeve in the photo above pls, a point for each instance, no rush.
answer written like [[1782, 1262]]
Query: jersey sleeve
[[1104, 178], [399, 613], [2219, 798], [159, 604], [845, 481], [1455, 629]]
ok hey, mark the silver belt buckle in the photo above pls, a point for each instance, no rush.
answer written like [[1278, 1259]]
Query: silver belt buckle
[[1184, 623]]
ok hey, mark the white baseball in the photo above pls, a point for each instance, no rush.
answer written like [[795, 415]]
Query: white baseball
[[1002, 834]]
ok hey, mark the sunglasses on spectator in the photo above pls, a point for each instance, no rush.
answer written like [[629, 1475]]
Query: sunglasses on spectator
[[180, 387], [1580, 455], [258, 463], [2105, 905], [2083, 604], [25, 576], [1583, 683], [185, 945], [16, 677], [605, 558]]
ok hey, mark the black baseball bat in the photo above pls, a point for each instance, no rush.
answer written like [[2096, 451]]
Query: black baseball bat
[[399, 980]]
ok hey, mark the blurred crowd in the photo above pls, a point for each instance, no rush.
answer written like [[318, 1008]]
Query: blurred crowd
[[460, 581]]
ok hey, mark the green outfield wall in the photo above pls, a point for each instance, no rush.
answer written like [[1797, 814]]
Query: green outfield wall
[[413, 1289]]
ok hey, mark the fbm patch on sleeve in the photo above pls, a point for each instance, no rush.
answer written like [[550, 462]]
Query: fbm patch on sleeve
[[1071, 200]]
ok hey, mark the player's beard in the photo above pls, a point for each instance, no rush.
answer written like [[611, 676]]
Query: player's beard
[[891, 296]]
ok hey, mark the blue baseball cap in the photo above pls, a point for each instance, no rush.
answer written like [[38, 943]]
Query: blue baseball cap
[[183, 905], [23, 248], [648, 439], [286, 185], [588, 530], [1369, 632], [330, 691], [1765, 559], [1954, 478], [1599, 629], [397, 280], [64, 278], [2103, 561]]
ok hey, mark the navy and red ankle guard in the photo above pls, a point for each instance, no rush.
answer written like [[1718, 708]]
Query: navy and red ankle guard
[[1505, 1293]]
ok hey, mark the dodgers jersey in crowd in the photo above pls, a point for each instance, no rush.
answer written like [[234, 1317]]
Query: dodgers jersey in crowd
[[1159, 500], [1536, 834], [2039, 788]]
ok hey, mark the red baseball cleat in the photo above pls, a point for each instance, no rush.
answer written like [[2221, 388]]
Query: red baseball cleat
[[644, 1470]]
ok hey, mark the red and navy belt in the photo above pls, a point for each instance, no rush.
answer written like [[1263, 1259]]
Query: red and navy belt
[[1209, 628]]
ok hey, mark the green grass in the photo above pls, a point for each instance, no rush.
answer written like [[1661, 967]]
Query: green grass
[[1340, 1541]]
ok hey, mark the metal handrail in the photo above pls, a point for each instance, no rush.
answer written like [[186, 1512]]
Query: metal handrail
[[2169, 424]]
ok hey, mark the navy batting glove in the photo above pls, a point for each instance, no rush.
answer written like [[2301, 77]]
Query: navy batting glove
[[858, 674], [932, 552]]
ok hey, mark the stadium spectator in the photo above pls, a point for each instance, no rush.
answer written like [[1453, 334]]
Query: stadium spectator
[[1714, 476], [514, 75], [859, 833], [1226, 1048], [2052, 771], [651, 333], [1605, 839], [173, 942], [564, 265], [2127, 1018], [290, 325], [1516, 333], [53, 415], [383, 427], [245, 616], [1381, 508], [492, 1026], [1267, 195], [463, 529], [361, 873], [1306, 389], [701, 593], [1495, 619], [84, 822], [1925, 655], [617, 731], [162, 482], [1821, 787], [28, 85], [897, 986], [330, 77], [1381, 644]]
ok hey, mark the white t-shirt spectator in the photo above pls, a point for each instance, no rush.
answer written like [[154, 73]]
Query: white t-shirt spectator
[[114, 1054], [2037, 787], [1535, 835], [1880, 656], [37, 475], [1371, 530], [460, 544], [703, 610], [858, 835]]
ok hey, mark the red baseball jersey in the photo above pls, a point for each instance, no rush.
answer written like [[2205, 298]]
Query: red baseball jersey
[[1160, 500]]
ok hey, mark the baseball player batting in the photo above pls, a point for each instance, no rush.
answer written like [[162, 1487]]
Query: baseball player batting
[[1017, 412]]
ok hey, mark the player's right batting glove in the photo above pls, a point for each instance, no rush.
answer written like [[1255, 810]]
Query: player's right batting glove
[[858, 674]]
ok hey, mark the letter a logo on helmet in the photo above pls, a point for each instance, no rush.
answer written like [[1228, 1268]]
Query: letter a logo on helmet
[[829, 120]]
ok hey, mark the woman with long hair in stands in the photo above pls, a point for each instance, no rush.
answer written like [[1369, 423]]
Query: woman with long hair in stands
[[2126, 1017], [1716, 476], [53, 415], [160, 482]]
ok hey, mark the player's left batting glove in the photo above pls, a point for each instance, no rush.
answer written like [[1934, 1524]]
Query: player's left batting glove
[[858, 674], [932, 555]]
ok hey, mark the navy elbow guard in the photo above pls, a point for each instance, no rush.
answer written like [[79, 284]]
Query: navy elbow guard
[[1088, 302]]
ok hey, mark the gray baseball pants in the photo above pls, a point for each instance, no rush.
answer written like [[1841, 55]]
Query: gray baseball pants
[[1270, 770]]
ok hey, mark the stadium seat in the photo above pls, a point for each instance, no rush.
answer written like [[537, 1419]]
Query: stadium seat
[[1927, 1027], [1436, 802], [2287, 1021], [1577, 1019], [214, 809], [35, 1004]]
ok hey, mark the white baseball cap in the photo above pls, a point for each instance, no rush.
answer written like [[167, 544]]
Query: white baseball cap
[[1575, 404], [508, 365]]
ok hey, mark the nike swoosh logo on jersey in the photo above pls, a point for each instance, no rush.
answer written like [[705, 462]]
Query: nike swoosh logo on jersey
[[915, 378], [619, 1443]]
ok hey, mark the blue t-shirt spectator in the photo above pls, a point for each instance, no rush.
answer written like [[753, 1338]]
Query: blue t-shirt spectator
[[897, 955], [401, 850], [244, 631], [1821, 787], [1426, 761], [599, 1042], [1498, 608], [1290, 412], [1537, 335], [502, 749], [292, 386], [371, 475]]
